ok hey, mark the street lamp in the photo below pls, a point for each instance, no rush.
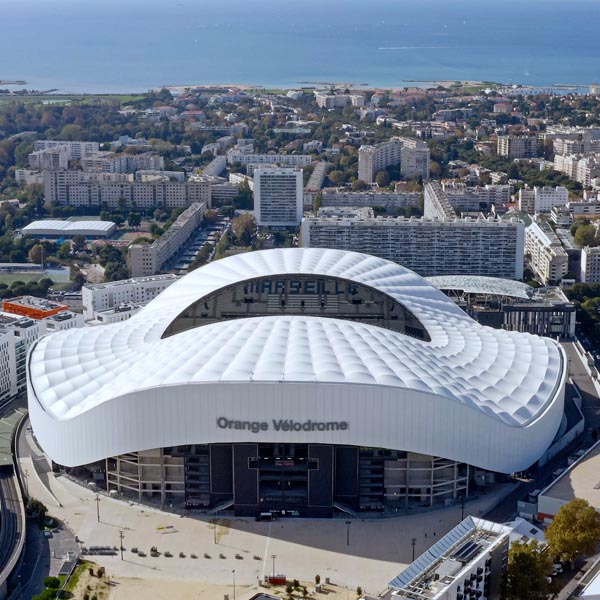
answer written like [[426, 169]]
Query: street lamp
[[215, 530], [462, 506], [348, 532], [98, 507], [233, 583], [413, 543], [273, 556], [121, 546]]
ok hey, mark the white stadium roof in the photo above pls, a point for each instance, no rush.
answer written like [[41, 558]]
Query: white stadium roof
[[478, 284], [487, 397]]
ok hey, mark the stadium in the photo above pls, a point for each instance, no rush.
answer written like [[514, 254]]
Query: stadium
[[309, 381]]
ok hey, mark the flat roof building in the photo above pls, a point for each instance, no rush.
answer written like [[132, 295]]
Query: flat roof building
[[32, 307], [278, 197], [547, 256], [54, 229]]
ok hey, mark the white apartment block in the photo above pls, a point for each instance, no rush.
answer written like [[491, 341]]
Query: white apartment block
[[17, 334], [49, 160], [29, 177], [215, 167], [119, 162], [278, 197], [114, 294], [548, 258], [282, 160], [583, 208], [75, 188], [517, 146], [391, 201], [428, 246], [451, 199], [76, 150], [329, 101], [590, 265], [239, 178], [148, 259], [583, 169], [542, 199], [412, 155]]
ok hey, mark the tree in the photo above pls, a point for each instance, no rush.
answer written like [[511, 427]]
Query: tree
[[244, 198], [35, 254], [37, 511], [529, 565], [574, 530], [586, 236], [244, 227], [317, 203], [52, 582], [336, 177], [211, 216], [64, 252], [134, 219], [78, 243], [358, 185], [317, 579], [114, 271], [382, 178]]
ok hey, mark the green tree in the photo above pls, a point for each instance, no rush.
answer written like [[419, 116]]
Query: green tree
[[586, 236], [336, 177], [64, 252], [317, 203], [244, 228], [529, 565], [35, 254], [134, 219], [382, 178], [358, 185], [245, 198], [52, 582], [37, 511], [575, 530], [211, 216], [114, 271], [79, 243]]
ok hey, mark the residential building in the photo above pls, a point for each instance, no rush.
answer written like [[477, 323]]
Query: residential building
[[547, 256], [75, 150], [468, 562], [590, 265], [51, 159], [278, 197], [120, 162], [47, 229], [521, 146], [412, 155], [455, 199], [330, 101], [482, 246], [282, 160], [216, 166], [584, 208], [391, 201], [29, 177], [138, 291], [75, 188], [542, 199], [149, 259]]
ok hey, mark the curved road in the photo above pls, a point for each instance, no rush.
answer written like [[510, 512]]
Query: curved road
[[11, 526]]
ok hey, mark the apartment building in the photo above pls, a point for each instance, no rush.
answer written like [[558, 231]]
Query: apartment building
[[17, 334], [391, 201], [148, 259], [583, 208], [51, 159], [75, 150], [278, 197], [451, 199], [590, 265], [215, 167], [118, 162], [101, 297], [548, 258], [283, 160], [412, 155], [542, 199], [517, 146], [428, 246], [76, 188], [330, 101]]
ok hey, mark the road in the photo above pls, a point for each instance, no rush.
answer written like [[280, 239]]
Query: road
[[11, 525]]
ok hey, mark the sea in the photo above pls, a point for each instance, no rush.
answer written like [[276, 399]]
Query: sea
[[123, 46]]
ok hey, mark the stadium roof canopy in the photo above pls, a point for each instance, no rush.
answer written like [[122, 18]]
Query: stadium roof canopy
[[477, 284], [482, 396]]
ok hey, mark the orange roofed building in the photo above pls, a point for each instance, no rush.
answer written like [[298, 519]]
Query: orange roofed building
[[32, 307]]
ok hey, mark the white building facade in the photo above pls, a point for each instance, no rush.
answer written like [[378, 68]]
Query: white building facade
[[278, 197]]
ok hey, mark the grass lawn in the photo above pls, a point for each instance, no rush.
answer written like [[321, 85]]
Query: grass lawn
[[10, 278]]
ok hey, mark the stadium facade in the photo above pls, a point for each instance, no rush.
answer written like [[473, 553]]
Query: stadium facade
[[301, 380]]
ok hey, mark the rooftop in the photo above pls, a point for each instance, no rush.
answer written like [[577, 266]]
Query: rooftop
[[580, 480], [475, 284], [132, 281], [68, 226], [35, 303]]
